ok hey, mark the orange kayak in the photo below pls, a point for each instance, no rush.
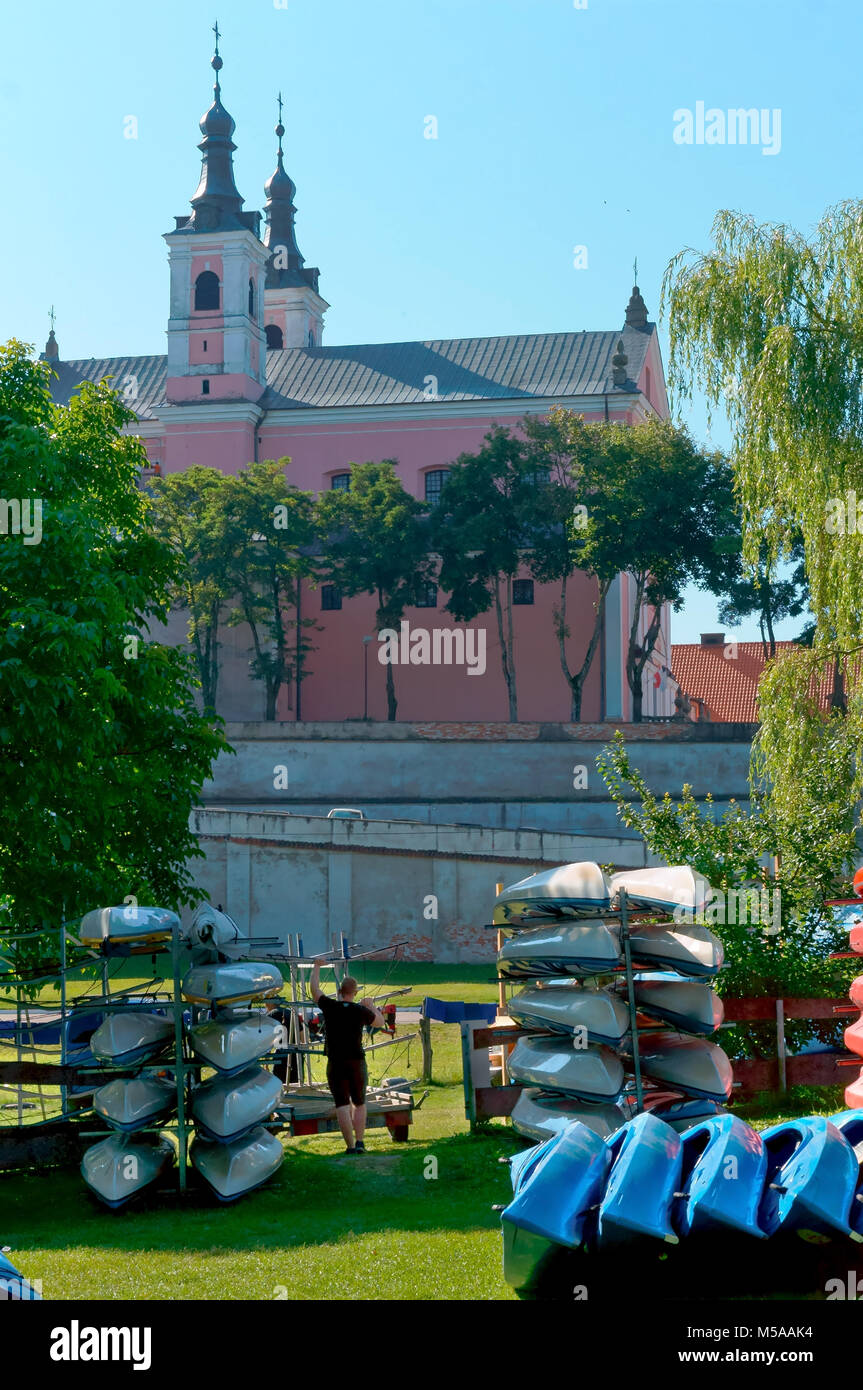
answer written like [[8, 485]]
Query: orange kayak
[[854, 1094], [856, 991], [854, 1037]]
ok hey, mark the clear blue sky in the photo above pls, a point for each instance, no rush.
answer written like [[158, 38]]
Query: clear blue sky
[[555, 129]]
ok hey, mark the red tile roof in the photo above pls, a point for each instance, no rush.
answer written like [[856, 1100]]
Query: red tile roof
[[725, 676]]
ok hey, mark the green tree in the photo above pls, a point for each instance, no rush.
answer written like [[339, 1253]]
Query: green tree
[[769, 325], [813, 840], [480, 531], [644, 499], [269, 535], [189, 514], [566, 535], [375, 542], [102, 750], [770, 594]]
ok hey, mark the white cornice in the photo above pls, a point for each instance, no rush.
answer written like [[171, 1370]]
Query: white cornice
[[449, 410], [211, 413]]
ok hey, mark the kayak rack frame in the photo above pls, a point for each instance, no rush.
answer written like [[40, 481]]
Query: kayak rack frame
[[484, 1101]]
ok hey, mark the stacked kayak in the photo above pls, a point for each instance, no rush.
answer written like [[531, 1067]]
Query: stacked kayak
[[648, 1187], [134, 1158], [564, 954], [228, 1033], [232, 1150], [853, 920]]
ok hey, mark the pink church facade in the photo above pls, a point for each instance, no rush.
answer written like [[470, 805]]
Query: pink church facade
[[247, 376]]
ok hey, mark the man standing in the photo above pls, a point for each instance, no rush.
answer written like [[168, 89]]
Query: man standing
[[344, 1020]]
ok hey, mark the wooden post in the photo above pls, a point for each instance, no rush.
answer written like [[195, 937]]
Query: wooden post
[[425, 1039], [467, 1074], [780, 1044]]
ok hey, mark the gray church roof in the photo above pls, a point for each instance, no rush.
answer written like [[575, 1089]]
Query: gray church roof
[[518, 366]]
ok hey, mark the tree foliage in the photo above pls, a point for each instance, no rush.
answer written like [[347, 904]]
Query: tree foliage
[[269, 540], [480, 533], [188, 513], [648, 502], [769, 324], [374, 542], [813, 840], [102, 751]]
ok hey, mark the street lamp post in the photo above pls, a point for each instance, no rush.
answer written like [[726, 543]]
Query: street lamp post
[[366, 641]]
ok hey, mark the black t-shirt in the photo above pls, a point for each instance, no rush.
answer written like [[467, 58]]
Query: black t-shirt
[[344, 1023]]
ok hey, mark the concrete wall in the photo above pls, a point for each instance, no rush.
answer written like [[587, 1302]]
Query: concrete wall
[[505, 776], [378, 881]]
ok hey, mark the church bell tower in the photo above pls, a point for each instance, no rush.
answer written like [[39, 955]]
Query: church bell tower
[[216, 342]]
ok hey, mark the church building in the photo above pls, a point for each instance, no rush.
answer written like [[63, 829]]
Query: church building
[[247, 375]]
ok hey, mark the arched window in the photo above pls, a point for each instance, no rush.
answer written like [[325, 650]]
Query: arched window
[[311, 337], [207, 290], [251, 299], [434, 483], [275, 338], [341, 482]]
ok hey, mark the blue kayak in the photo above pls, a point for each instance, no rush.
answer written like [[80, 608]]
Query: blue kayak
[[646, 1159], [722, 1181], [556, 1185], [13, 1285], [850, 1124], [523, 1165], [684, 1114], [812, 1173]]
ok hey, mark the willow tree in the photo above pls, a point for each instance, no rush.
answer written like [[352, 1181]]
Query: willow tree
[[769, 324]]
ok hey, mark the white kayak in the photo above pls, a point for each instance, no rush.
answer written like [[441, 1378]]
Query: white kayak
[[228, 1107], [688, 948], [540, 1115], [583, 948], [601, 1015], [211, 928], [591, 1073], [572, 890], [123, 1165], [135, 1036], [138, 925], [131, 1104], [234, 1169], [692, 1007], [231, 1045], [232, 982], [666, 887], [691, 1065]]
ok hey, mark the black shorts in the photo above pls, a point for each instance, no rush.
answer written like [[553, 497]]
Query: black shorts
[[347, 1079]]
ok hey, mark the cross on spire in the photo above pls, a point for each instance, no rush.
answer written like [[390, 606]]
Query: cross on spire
[[52, 317], [218, 36], [635, 271]]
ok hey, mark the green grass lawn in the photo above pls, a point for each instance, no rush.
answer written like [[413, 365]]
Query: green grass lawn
[[391, 1225], [327, 1226]]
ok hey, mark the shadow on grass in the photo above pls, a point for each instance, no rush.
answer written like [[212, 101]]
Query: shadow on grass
[[315, 1198]]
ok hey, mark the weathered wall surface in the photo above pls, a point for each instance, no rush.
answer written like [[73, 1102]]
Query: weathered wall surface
[[377, 881], [504, 776]]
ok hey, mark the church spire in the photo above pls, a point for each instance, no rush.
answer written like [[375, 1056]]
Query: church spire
[[217, 205], [286, 262], [636, 309]]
